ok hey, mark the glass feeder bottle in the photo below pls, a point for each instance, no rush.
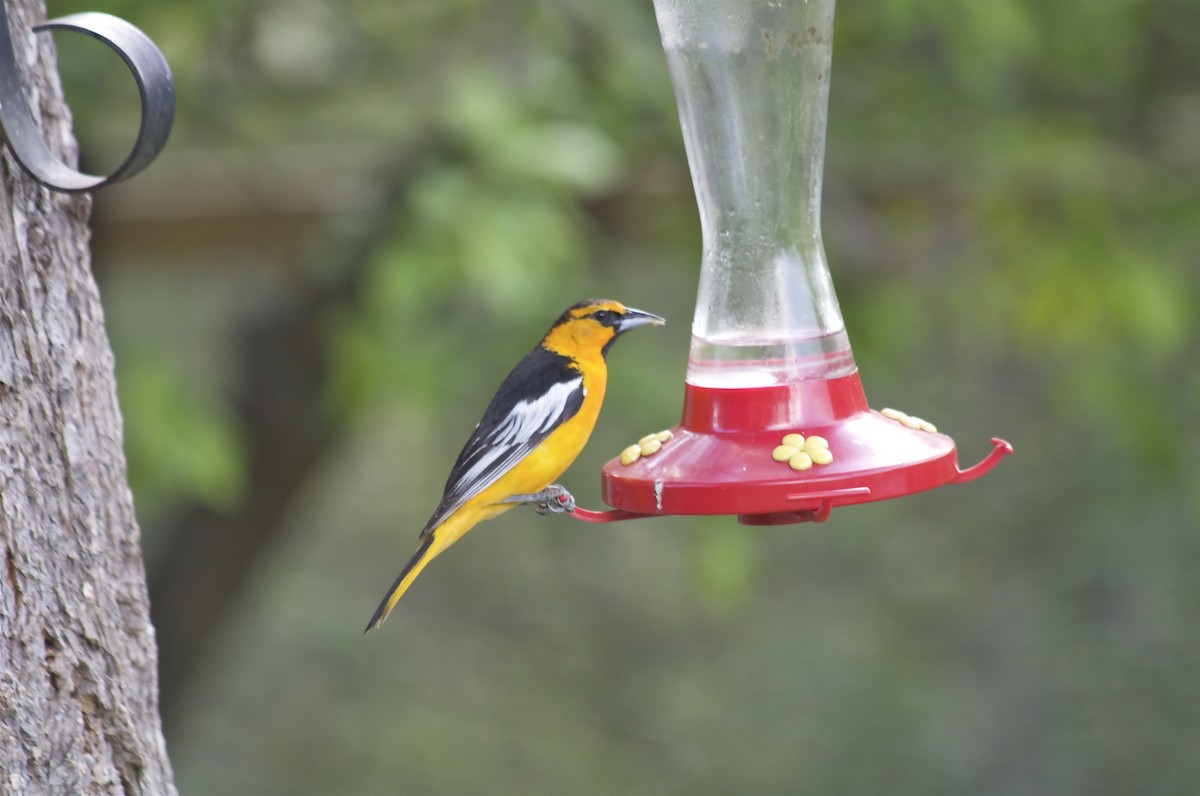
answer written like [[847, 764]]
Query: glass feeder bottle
[[751, 81]]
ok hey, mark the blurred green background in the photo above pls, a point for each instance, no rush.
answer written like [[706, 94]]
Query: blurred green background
[[370, 209]]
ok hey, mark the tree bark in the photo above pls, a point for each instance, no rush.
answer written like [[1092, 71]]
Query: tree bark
[[78, 668]]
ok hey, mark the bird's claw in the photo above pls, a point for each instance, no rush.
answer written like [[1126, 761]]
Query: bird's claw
[[558, 501], [554, 499]]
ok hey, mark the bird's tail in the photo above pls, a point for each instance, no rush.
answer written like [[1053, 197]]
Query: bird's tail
[[425, 553], [434, 540]]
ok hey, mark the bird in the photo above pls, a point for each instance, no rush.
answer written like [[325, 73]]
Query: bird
[[532, 430]]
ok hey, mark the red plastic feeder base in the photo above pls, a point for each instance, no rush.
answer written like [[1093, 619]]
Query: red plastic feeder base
[[719, 461]]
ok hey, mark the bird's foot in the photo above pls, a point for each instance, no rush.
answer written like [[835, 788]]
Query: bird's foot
[[554, 499]]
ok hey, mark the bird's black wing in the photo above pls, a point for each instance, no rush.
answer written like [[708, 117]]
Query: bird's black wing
[[541, 393]]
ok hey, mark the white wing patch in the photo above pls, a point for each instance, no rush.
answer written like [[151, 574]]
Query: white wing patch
[[529, 422], [538, 415]]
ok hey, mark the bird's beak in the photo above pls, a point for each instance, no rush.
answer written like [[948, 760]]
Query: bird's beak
[[633, 318]]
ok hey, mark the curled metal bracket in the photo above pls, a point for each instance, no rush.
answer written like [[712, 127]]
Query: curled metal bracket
[[156, 90]]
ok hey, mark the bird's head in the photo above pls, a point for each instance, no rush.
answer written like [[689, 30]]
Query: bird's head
[[594, 325]]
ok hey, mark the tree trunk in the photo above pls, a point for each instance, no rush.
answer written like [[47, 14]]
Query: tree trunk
[[78, 669]]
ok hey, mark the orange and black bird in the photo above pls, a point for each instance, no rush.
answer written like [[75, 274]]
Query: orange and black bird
[[537, 423]]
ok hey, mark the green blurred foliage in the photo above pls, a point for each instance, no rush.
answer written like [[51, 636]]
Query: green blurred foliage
[[1013, 217], [178, 441]]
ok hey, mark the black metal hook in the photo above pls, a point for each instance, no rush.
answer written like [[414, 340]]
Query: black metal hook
[[156, 90]]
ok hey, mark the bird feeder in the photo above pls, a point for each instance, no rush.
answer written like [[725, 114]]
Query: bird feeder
[[770, 357]]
